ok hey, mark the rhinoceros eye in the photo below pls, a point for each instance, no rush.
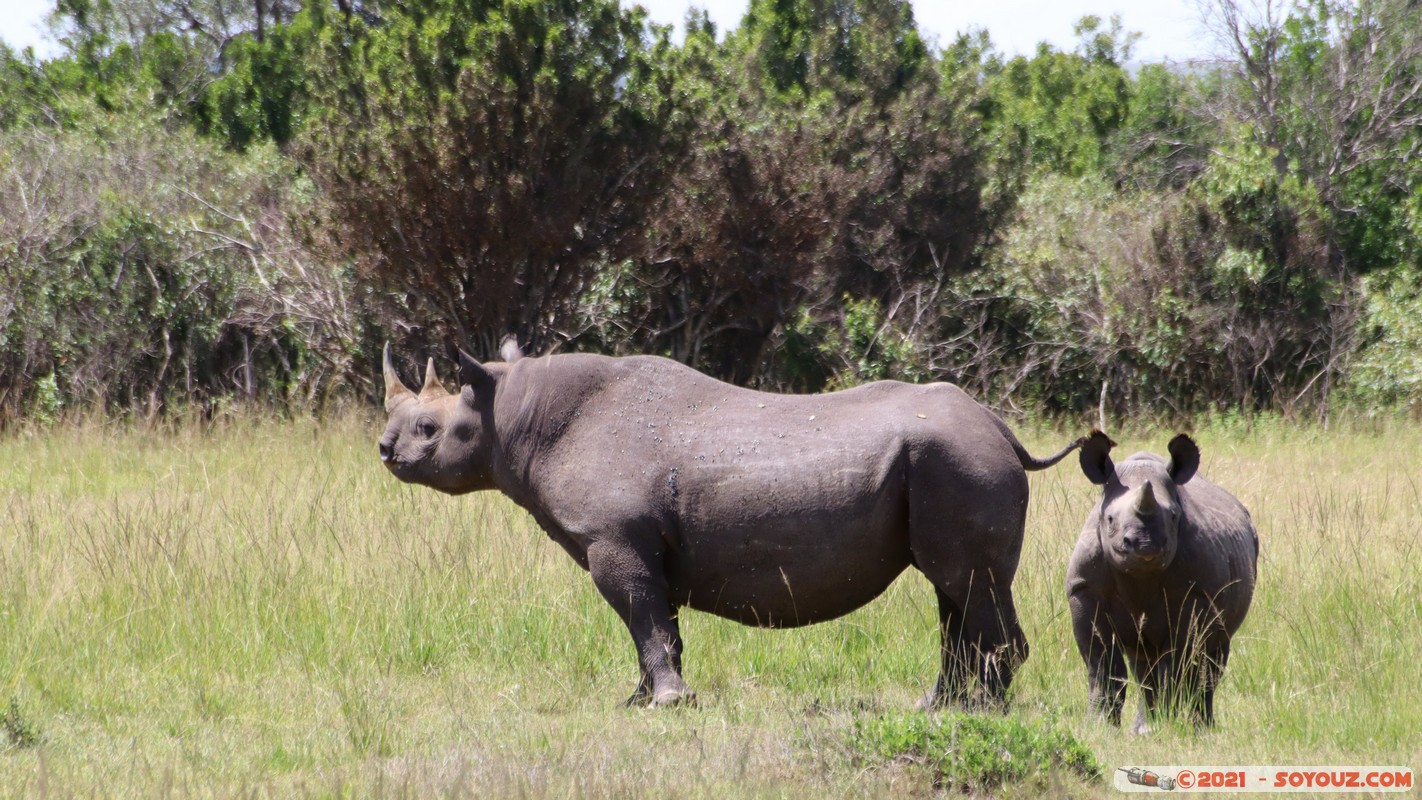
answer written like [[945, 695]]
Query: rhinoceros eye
[[426, 427]]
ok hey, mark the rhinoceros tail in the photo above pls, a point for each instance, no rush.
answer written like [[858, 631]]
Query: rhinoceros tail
[[1030, 462]]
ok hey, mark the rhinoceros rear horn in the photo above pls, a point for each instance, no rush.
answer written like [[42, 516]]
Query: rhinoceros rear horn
[[1184, 458], [433, 389], [395, 391]]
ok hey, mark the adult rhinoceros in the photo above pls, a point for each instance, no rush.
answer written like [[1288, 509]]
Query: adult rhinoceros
[[676, 491]]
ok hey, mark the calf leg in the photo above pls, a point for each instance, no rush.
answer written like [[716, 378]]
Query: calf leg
[[631, 581], [1211, 671]]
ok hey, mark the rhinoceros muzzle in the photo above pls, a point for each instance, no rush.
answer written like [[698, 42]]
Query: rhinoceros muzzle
[[1140, 560]]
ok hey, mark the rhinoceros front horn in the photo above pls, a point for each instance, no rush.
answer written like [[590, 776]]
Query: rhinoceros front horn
[[1146, 504], [395, 391]]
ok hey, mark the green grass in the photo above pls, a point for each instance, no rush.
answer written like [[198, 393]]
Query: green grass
[[261, 610], [975, 752]]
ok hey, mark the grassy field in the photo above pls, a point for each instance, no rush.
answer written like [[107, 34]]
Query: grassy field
[[260, 610]]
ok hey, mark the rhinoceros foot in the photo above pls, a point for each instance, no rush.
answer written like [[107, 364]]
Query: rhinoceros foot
[[975, 700], [666, 698], [674, 697]]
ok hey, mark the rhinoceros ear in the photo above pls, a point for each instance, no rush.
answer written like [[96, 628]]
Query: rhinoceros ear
[[1096, 458], [1184, 458], [395, 391], [509, 349], [473, 374]]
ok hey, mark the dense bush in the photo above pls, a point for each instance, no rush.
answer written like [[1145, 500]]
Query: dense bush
[[219, 200], [141, 266], [1171, 303], [484, 159]]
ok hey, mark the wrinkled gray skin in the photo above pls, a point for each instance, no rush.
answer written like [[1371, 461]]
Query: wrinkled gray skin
[[1161, 578], [676, 491]]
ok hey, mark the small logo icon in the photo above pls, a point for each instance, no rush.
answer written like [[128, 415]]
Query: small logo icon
[[1144, 777]]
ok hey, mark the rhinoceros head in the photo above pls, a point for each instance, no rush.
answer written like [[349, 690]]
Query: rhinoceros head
[[442, 440], [1139, 513]]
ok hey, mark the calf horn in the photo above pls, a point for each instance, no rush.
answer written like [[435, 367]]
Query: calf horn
[[395, 391], [1145, 503], [433, 389]]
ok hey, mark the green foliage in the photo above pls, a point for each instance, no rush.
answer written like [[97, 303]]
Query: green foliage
[[484, 158], [975, 753], [160, 275], [21, 85], [1165, 139], [1388, 373], [1332, 87], [862, 175], [834, 51], [19, 731], [1214, 297], [1059, 111], [782, 207], [47, 401], [860, 346], [262, 94]]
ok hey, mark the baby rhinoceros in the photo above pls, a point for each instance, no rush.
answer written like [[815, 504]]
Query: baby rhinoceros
[[1161, 578]]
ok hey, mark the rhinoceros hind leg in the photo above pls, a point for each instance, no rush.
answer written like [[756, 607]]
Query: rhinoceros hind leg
[[982, 646]]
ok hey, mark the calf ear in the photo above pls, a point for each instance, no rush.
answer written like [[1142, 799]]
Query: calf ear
[[473, 374], [1184, 458], [1096, 458]]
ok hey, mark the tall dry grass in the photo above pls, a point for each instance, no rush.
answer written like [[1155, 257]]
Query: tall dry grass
[[258, 609]]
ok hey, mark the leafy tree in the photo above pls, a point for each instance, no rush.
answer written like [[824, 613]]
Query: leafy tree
[[484, 158], [854, 49], [142, 268], [1164, 142], [857, 177], [1334, 90], [1059, 111], [263, 94]]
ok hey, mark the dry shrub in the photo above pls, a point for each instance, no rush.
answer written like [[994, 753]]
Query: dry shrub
[[1169, 307], [141, 268]]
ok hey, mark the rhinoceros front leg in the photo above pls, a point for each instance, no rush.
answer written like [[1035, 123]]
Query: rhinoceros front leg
[[1105, 664], [630, 579]]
